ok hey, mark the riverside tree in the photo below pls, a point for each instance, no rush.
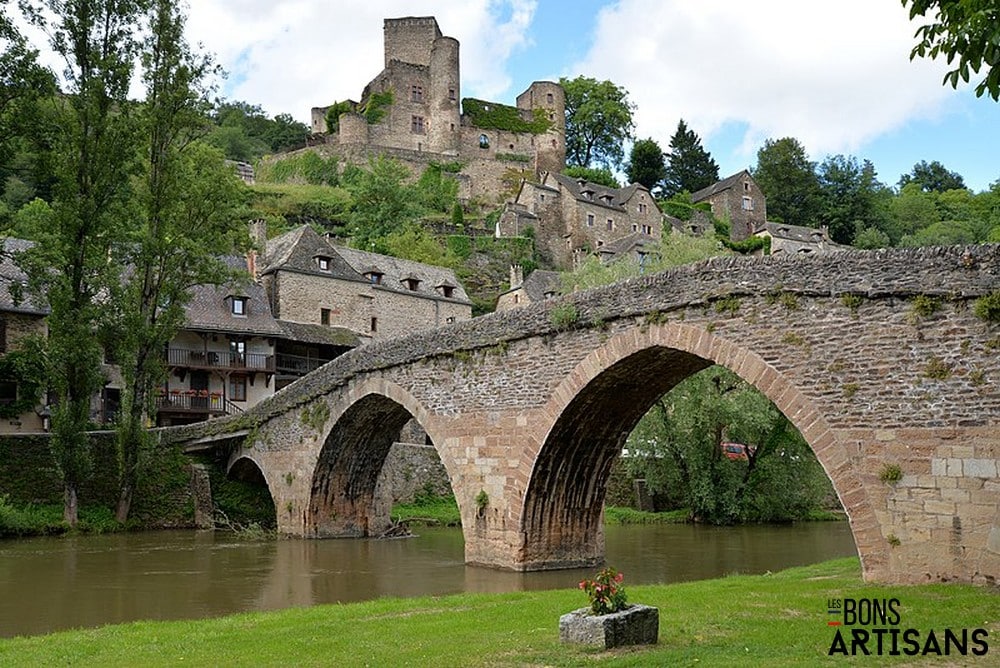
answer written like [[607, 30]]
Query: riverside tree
[[966, 33], [93, 143], [186, 222]]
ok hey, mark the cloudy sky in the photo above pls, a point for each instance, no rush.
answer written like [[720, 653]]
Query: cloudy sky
[[835, 75]]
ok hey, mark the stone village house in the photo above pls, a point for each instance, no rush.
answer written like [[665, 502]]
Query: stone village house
[[243, 342]]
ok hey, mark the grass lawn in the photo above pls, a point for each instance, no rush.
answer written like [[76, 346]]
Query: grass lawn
[[777, 619]]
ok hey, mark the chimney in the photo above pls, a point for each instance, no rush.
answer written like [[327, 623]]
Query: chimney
[[516, 276], [258, 240]]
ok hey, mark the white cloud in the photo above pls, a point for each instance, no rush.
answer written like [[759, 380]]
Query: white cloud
[[290, 56], [833, 75]]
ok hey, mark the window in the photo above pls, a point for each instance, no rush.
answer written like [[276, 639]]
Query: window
[[590, 220], [647, 229], [323, 263], [3, 335], [237, 352], [324, 316], [374, 324], [642, 207], [416, 93], [417, 125], [611, 225], [548, 98], [8, 392], [237, 387], [746, 186], [239, 306], [748, 203], [375, 277], [635, 228], [484, 141], [411, 283], [447, 291], [541, 197], [451, 94]]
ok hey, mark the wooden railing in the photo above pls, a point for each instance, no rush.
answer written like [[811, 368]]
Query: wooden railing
[[190, 401], [201, 359], [297, 365]]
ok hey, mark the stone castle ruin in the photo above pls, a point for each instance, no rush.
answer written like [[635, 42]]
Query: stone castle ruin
[[413, 112]]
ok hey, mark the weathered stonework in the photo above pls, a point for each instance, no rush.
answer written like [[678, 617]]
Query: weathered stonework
[[635, 625], [529, 411]]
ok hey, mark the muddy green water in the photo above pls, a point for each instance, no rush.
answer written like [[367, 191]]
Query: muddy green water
[[50, 584]]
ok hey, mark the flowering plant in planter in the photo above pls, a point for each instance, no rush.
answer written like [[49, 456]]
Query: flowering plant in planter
[[606, 592]]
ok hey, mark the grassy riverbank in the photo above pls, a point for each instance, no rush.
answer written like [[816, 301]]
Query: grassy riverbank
[[775, 620]]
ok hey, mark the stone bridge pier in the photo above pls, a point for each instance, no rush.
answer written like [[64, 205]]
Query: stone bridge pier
[[888, 363]]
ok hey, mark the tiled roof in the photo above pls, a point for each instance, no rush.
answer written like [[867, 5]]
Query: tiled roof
[[394, 270], [14, 296], [297, 251], [210, 308], [718, 186], [593, 193], [627, 243], [321, 334], [540, 282], [813, 235]]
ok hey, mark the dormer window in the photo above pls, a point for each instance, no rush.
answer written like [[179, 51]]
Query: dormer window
[[238, 306], [375, 277], [323, 263], [447, 290], [411, 283]]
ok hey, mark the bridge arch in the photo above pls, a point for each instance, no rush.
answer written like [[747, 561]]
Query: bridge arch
[[342, 497], [599, 403]]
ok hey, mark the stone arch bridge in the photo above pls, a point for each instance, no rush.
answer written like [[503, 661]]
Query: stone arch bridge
[[881, 359]]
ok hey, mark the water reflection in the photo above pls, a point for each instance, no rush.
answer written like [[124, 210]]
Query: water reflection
[[58, 583]]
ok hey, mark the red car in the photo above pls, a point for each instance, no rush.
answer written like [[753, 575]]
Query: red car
[[736, 450]]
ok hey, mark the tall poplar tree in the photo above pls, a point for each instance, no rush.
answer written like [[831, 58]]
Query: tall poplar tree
[[93, 142], [186, 222], [689, 166]]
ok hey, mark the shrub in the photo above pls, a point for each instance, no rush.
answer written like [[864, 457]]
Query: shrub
[[605, 591]]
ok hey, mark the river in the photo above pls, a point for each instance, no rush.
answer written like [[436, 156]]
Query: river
[[84, 581]]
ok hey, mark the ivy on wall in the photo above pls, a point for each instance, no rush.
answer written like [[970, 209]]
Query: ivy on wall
[[493, 116], [26, 369]]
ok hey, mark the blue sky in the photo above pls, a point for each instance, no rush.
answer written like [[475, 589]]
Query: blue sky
[[836, 76]]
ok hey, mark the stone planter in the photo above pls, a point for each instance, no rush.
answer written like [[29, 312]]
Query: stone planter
[[635, 625]]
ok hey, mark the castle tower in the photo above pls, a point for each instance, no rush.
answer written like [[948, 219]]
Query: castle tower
[[444, 129], [551, 146], [410, 39]]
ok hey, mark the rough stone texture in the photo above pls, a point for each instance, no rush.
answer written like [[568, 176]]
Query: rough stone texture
[[635, 625], [411, 469], [531, 409]]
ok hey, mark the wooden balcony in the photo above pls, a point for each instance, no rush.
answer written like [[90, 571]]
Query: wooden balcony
[[297, 365], [202, 359], [190, 402]]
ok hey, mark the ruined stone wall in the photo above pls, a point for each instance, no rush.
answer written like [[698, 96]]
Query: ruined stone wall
[[409, 39]]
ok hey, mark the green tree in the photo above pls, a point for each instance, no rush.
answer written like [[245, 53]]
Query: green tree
[[851, 197], [678, 445], [384, 200], [911, 210], [185, 223], [689, 166], [788, 179], [333, 113], [598, 122], [646, 164], [871, 238], [932, 177], [94, 143], [968, 30], [602, 177]]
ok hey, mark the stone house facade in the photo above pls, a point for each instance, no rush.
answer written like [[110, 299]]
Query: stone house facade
[[797, 239], [424, 122], [737, 199], [309, 280], [539, 286], [573, 217]]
